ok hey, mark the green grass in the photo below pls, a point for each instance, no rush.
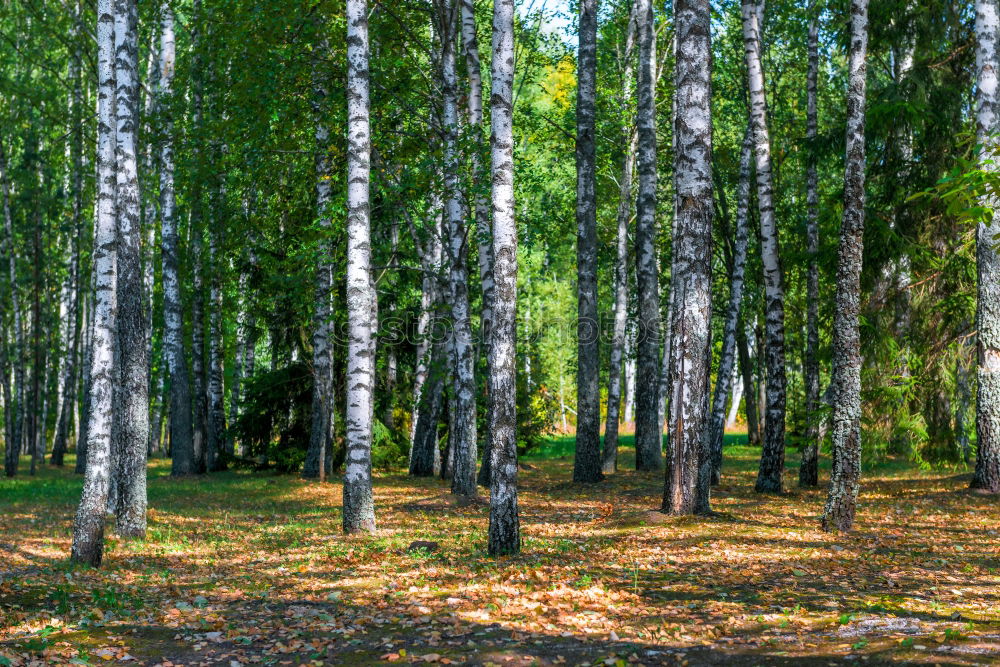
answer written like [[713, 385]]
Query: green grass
[[563, 446]]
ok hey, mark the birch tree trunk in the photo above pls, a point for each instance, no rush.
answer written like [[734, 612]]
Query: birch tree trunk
[[628, 374], [845, 479], [727, 360], [67, 404], [463, 436], [321, 434], [181, 434], [689, 463], [359, 505], [88, 526], [587, 459], [987, 473], [648, 426], [13, 449], [216, 423], [132, 428], [609, 457], [473, 69], [772, 459], [196, 244], [809, 466], [505, 528]]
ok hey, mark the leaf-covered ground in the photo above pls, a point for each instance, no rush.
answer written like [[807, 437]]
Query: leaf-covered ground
[[242, 569]]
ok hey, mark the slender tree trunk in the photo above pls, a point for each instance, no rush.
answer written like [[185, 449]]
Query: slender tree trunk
[[809, 466], [987, 473], [505, 527], [689, 463], [321, 435], [463, 397], [359, 505], [772, 459], [216, 422], [963, 399], [727, 360], [132, 429], [480, 180], [181, 435], [609, 458], [13, 450], [197, 245], [427, 377], [73, 280], [587, 460], [648, 426], [83, 418], [629, 372], [846, 476], [88, 527]]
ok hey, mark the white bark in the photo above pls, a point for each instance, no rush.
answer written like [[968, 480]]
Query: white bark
[[504, 530], [772, 460], [181, 436], [359, 505], [88, 526], [689, 463], [987, 473]]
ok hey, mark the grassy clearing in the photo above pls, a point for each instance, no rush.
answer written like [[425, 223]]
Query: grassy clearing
[[253, 569]]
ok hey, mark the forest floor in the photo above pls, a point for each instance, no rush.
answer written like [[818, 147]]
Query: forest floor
[[241, 569]]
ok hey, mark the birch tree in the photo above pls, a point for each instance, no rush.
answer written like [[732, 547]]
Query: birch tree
[[609, 456], [473, 71], [321, 434], [359, 503], [88, 526], [587, 459], [690, 361], [463, 436], [987, 472], [13, 449], [772, 459], [504, 530], [133, 425], [648, 426], [181, 428], [727, 359], [845, 479], [809, 466]]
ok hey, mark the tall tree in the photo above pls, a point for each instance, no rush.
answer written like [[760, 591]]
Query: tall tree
[[727, 359], [88, 526], [132, 428], [809, 466], [473, 70], [845, 479], [321, 434], [463, 436], [587, 460], [688, 469], [609, 456], [181, 427], [772, 459], [648, 426], [505, 526], [13, 450], [359, 502], [987, 473], [73, 280]]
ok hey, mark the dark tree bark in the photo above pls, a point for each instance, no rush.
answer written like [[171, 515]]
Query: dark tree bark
[[809, 466], [648, 426], [132, 428], [845, 479], [587, 460]]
